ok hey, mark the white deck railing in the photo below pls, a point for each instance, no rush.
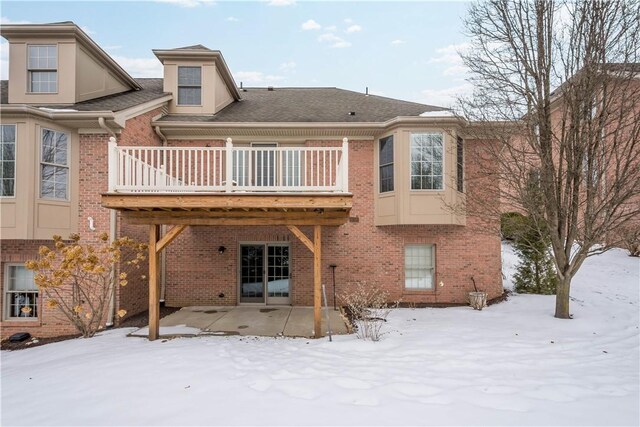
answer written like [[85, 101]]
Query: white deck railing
[[207, 169]]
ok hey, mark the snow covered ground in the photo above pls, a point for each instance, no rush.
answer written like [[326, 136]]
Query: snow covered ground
[[510, 364]]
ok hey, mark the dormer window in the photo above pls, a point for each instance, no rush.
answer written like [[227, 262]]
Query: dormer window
[[43, 68], [189, 86]]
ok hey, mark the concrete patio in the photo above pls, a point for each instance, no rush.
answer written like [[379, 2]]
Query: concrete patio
[[276, 321]]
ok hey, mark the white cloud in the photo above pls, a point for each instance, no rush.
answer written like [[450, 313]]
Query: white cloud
[[397, 42], [282, 3], [445, 97], [333, 40], [87, 30], [354, 29], [449, 56], [256, 78], [188, 3], [232, 19], [311, 25], [288, 66], [8, 21], [140, 67]]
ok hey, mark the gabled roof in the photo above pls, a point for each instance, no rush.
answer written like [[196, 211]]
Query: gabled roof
[[70, 30], [199, 52], [150, 89], [315, 105]]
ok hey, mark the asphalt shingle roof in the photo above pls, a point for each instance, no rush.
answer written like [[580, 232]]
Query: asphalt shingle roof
[[151, 89], [315, 105]]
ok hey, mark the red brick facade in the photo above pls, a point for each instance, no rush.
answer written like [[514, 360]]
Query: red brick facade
[[197, 274]]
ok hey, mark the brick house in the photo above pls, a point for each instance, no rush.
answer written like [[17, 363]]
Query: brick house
[[245, 195]]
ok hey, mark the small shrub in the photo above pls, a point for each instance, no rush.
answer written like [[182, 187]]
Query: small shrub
[[512, 225], [369, 309], [629, 238], [535, 274], [77, 278]]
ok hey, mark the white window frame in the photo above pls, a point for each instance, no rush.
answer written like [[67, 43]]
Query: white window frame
[[444, 143], [429, 266], [188, 86], [43, 163], [460, 163], [10, 294], [392, 164], [15, 158], [31, 70]]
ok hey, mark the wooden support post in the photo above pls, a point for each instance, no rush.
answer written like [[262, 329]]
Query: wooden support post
[[317, 281], [154, 283]]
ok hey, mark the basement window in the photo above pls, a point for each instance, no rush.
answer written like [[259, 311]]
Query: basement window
[[21, 293], [419, 267], [43, 68], [189, 86]]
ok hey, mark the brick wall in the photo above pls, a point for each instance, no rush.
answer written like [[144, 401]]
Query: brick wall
[[199, 275], [93, 182]]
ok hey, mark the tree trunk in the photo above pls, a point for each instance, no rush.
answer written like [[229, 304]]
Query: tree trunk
[[562, 298]]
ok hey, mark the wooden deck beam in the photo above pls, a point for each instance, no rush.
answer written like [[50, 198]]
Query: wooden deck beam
[[168, 238], [303, 238], [230, 201], [317, 281], [154, 283]]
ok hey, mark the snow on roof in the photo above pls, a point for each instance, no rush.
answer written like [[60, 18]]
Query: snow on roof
[[442, 113]]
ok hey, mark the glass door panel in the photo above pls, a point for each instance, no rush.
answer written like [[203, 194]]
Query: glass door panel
[[252, 274], [278, 274]]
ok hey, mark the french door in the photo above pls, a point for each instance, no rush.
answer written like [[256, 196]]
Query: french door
[[264, 273]]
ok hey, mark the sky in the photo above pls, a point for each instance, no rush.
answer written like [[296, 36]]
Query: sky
[[404, 50]]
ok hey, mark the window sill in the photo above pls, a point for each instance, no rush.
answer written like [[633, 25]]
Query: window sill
[[406, 291], [21, 321]]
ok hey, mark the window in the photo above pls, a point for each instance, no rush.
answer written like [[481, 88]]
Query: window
[[189, 85], [419, 266], [21, 293], [460, 164], [386, 164], [426, 161], [54, 165], [7, 160], [43, 69]]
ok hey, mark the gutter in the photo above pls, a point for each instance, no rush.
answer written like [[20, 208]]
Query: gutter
[[400, 120], [112, 237], [56, 115]]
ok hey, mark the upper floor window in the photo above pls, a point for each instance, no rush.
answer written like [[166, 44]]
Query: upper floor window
[[43, 69], [386, 164], [460, 164], [54, 165], [427, 161], [7, 160], [189, 86], [21, 293]]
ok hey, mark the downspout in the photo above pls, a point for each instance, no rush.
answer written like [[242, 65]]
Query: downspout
[[163, 231], [112, 238]]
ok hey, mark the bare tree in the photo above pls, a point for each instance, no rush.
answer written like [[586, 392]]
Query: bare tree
[[558, 85]]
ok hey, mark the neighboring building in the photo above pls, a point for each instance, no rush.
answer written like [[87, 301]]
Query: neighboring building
[[259, 190]]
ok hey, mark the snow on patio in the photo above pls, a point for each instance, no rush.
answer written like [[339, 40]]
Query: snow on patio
[[510, 364]]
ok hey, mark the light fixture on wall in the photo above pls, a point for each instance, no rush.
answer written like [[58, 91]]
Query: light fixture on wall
[[221, 249]]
